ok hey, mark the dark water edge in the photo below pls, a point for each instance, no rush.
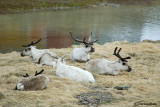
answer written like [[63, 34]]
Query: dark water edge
[[39, 46]]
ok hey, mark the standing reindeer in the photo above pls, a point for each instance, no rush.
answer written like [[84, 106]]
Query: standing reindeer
[[103, 66], [39, 56], [36, 82], [82, 54], [72, 72]]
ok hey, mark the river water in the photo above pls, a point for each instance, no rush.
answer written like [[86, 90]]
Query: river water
[[133, 23]]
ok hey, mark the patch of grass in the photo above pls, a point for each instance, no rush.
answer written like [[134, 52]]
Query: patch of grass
[[22, 5], [1, 95]]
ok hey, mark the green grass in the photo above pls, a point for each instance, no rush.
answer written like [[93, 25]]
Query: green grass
[[16, 6], [7, 6]]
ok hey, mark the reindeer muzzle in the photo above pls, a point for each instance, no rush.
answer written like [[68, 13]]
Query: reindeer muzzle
[[16, 88], [129, 69], [92, 49], [22, 55]]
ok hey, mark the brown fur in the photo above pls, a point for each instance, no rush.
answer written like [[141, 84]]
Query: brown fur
[[33, 83]]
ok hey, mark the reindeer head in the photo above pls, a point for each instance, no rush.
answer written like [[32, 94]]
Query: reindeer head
[[87, 45], [27, 51], [60, 60], [122, 62]]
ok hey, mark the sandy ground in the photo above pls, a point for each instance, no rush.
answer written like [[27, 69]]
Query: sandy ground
[[144, 79]]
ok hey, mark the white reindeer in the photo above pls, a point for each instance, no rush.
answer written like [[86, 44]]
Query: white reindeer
[[72, 72], [82, 54], [36, 82], [103, 66], [36, 54]]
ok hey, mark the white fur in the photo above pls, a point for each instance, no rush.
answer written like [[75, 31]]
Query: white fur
[[80, 54], [73, 73], [36, 54], [103, 66], [20, 86]]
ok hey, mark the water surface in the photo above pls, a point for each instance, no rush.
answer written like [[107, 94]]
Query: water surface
[[133, 23]]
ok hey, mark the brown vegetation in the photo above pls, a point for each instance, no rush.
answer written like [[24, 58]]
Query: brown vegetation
[[144, 79]]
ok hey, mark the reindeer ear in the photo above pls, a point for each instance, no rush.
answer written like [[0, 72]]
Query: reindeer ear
[[89, 39], [63, 57], [56, 57]]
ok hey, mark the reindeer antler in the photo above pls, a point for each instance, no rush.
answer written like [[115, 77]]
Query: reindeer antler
[[32, 43], [89, 42], [39, 72], [117, 54], [77, 39], [26, 75]]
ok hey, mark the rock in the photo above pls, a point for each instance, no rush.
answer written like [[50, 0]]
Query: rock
[[95, 105], [122, 87]]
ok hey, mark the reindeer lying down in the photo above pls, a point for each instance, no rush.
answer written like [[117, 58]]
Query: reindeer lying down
[[103, 66], [72, 72], [82, 54], [36, 82], [36, 54]]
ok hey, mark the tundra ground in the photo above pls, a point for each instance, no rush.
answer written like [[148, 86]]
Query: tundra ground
[[143, 80]]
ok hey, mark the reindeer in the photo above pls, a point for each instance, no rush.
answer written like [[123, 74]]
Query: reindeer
[[103, 66], [36, 82], [72, 72], [35, 54], [82, 54]]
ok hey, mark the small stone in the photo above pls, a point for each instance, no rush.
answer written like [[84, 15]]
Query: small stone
[[122, 87], [95, 105], [84, 102]]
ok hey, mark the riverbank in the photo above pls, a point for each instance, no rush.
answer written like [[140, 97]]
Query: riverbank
[[21, 6], [143, 80]]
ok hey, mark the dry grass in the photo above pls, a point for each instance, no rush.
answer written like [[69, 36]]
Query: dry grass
[[144, 79]]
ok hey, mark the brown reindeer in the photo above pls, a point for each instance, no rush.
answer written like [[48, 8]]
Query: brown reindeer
[[36, 82]]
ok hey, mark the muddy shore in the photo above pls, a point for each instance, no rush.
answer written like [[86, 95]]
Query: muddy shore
[[143, 80]]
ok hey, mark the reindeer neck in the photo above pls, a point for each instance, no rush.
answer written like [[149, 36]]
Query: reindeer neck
[[116, 63], [84, 50], [34, 51], [59, 64]]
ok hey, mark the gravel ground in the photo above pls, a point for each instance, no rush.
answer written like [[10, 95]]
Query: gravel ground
[[94, 98]]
